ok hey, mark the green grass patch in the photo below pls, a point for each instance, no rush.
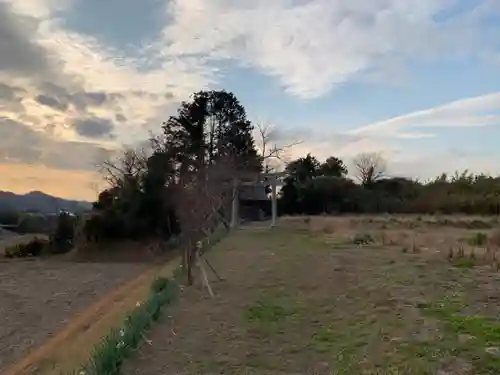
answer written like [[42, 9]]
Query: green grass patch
[[475, 337], [464, 263], [268, 312], [271, 318]]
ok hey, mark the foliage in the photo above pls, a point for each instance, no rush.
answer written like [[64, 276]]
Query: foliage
[[308, 191], [33, 248], [146, 188], [107, 357], [159, 284], [478, 239], [363, 239], [211, 126], [9, 217], [62, 240], [149, 189], [33, 223]]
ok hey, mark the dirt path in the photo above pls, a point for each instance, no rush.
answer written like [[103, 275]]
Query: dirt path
[[292, 304], [39, 300]]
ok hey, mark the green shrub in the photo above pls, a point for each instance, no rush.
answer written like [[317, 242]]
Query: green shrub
[[33, 248], [9, 217], [33, 223], [62, 240], [159, 284]]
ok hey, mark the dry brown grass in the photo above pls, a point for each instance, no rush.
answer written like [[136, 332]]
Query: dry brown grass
[[411, 233], [304, 299]]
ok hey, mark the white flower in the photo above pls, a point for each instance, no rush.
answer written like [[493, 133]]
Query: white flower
[[81, 373], [138, 304], [122, 332]]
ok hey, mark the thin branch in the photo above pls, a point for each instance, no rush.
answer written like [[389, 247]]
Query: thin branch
[[266, 134]]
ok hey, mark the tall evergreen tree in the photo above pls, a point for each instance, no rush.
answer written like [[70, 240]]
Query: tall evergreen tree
[[213, 124]]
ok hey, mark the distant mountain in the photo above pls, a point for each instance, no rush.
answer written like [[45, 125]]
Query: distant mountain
[[36, 201]]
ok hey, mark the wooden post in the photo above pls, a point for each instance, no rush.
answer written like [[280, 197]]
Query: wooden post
[[205, 279], [235, 205], [274, 204]]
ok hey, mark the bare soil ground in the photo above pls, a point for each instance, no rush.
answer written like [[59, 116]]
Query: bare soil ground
[[308, 297], [39, 297]]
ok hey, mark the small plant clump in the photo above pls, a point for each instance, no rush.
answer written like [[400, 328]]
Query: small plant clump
[[478, 239], [266, 312], [363, 239], [33, 248], [460, 259], [464, 263]]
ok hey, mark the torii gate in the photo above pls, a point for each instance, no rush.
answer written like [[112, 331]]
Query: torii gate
[[265, 178]]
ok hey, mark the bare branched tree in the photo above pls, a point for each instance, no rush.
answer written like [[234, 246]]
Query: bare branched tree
[[270, 150], [370, 167], [201, 198], [127, 166]]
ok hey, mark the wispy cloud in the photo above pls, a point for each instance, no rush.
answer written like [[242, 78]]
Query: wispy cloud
[[81, 68], [313, 46], [471, 112]]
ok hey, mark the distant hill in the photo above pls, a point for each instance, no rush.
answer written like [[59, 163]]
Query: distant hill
[[36, 201]]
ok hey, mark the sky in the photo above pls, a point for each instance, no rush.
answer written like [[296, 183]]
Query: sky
[[416, 80]]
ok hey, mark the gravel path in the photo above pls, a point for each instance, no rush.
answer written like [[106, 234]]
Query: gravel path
[[38, 297]]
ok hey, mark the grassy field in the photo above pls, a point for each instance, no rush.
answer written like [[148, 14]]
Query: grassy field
[[350, 295]]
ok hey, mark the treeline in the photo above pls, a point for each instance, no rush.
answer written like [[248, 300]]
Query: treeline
[[212, 128], [313, 188], [147, 188]]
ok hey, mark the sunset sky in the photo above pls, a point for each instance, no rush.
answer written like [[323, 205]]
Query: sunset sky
[[418, 80]]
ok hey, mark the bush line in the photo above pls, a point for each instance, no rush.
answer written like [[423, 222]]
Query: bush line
[[108, 355]]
